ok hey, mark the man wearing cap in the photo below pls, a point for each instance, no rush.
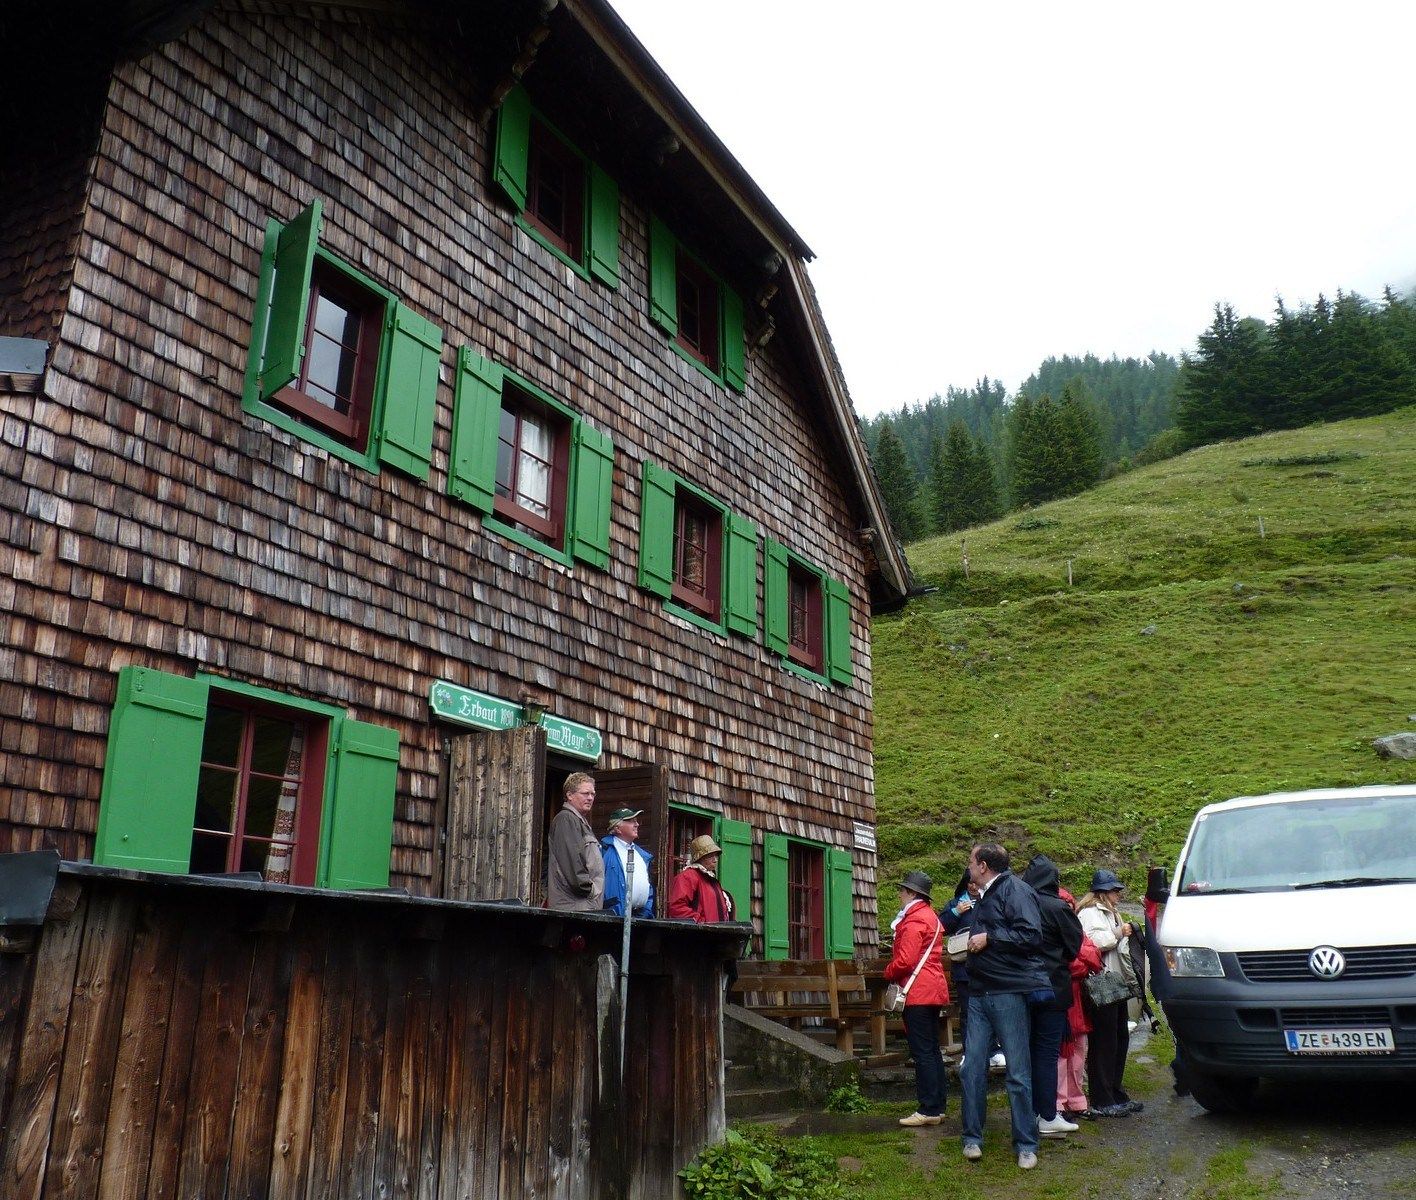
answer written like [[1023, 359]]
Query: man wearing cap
[[575, 876], [1006, 976], [695, 892], [917, 966], [618, 849]]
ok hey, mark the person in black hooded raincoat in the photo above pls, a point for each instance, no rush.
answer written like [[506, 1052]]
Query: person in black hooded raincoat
[[1061, 939]]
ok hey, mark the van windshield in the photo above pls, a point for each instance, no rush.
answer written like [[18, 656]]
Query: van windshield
[[1309, 843]]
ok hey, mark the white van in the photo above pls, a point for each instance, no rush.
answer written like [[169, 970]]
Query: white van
[[1290, 936]]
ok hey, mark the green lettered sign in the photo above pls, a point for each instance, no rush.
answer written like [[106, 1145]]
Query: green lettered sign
[[476, 709], [580, 741], [463, 706]]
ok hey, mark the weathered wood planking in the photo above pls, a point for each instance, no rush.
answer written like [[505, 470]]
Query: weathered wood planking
[[147, 518], [175, 1044]]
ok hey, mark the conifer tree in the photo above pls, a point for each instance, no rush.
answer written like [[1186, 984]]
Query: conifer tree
[[1223, 385], [1079, 447], [983, 502], [950, 458], [899, 486]]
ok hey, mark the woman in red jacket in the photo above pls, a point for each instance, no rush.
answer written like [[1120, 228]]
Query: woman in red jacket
[[1072, 1062], [917, 965]]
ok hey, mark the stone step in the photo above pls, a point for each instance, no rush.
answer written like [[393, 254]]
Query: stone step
[[739, 1075], [760, 1102]]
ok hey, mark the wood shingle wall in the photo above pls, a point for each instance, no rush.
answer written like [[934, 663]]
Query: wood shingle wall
[[150, 520]]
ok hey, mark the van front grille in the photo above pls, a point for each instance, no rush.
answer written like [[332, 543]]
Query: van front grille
[[1291, 966]]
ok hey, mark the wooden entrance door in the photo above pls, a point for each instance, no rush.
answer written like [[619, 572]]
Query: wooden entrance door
[[643, 787], [495, 815]]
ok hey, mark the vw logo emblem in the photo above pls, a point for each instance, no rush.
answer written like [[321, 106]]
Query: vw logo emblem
[[1326, 962]]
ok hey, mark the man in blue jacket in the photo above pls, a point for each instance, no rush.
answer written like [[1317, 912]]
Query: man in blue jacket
[[618, 847], [1006, 974]]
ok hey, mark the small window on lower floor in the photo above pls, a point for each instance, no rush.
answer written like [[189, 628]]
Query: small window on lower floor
[[684, 826], [244, 780], [259, 794], [806, 909]]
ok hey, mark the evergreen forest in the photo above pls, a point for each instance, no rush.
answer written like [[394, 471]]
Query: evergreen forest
[[966, 457]]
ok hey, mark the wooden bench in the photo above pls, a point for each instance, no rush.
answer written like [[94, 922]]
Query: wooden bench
[[833, 991], [842, 993]]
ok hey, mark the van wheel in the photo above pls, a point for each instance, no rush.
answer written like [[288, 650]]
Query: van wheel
[[1221, 1093]]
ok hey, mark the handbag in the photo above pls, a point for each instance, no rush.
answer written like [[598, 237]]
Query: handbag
[[958, 946], [1106, 987], [895, 995]]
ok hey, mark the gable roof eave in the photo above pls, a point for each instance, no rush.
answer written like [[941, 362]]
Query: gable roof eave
[[890, 558]]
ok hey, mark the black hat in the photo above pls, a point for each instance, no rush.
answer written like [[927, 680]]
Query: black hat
[[917, 881], [1106, 881]]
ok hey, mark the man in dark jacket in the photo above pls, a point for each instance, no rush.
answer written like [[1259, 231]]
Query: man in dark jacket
[[1006, 974], [1061, 940]]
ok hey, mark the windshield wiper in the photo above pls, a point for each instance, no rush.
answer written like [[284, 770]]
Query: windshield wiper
[[1355, 881]]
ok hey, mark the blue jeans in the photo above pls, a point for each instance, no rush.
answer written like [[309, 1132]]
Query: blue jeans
[[1048, 1025], [922, 1033], [1004, 1016]]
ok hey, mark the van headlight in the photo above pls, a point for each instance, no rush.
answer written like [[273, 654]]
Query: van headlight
[[1193, 962]]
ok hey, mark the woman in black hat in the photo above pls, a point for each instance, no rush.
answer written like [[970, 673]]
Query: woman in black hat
[[1103, 923], [917, 965]]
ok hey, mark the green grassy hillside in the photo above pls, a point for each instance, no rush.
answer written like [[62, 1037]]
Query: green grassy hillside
[[1191, 659]]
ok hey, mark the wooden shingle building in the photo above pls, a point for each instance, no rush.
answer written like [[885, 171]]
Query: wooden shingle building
[[404, 405]]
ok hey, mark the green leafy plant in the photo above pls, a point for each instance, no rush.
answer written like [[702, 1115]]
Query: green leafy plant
[[758, 1164], [847, 1099]]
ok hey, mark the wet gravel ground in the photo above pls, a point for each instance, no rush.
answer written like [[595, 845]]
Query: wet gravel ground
[[1318, 1142]]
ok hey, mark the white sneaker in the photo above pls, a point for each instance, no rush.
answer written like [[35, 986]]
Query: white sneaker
[[1027, 1160], [998, 1062], [973, 1152], [1058, 1127]]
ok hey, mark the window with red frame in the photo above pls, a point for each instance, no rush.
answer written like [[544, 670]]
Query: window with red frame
[[683, 828], [804, 618], [335, 387], [533, 457], [555, 191], [806, 913], [698, 306], [698, 553], [259, 794]]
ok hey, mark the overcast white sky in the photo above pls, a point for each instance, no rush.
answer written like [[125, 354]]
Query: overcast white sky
[[987, 184]]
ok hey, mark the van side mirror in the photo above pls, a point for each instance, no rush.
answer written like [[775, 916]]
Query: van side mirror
[[1157, 885]]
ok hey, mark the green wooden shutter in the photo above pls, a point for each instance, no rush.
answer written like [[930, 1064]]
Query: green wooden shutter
[[740, 536], [776, 939], [663, 277], [838, 631], [476, 418], [775, 631], [512, 155], [149, 797], [840, 906], [603, 228], [735, 867], [734, 348], [290, 300], [410, 393], [592, 484], [656, 531], [359, 819]]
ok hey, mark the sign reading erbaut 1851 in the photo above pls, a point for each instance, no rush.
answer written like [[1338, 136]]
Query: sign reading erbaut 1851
[[481, 711]]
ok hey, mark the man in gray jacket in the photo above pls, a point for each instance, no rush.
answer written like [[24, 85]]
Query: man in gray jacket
[[575, 878]]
